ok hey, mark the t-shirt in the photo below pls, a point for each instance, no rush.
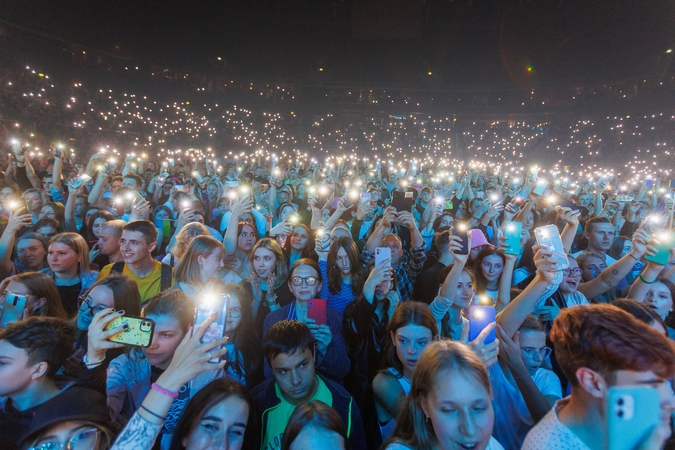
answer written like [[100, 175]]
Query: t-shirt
[[608, 259], [69, 295], [148, 286], [512, 418], [551, 434], [279, 416]]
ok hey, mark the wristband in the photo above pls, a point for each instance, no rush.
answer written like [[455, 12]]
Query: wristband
[[635, 258], [645, 281], [152, 413], [161, 390], [92, 364]]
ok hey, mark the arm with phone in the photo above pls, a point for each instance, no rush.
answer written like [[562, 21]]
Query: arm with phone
[[17, 220], [69, 212], [57, 170], [571, 219], [389, 217], [27, 174], [448, 291], [339, 211], [94, 198], [239, 207]]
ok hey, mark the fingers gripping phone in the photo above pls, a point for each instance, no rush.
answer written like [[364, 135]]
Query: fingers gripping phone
[[631, 414], [139, 330], [206, 307], [549, 236], [13, 310]]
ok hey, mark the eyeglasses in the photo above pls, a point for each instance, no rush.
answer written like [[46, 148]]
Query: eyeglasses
[[576, 271], [543, 352], [84, 440], [310, 281], [84, 304], [233, 313]]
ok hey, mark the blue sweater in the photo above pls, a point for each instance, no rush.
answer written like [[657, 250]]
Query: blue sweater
[[336, 301]]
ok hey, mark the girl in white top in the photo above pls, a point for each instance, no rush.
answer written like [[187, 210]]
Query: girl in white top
[[411, 328], [201, 263], [450, 402]]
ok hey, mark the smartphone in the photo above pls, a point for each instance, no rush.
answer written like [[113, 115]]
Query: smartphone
[[480, 316], [540, 187], [15, 304], [208, 305], [139, 331], [512, 233], [448, 205], [672, 185], [198, 177], [558, 200], [382, 254], [402, 201], [649, 182], [550, 237], [82, 179], [631, 414], [462, 232], [180, 187], [665, 243], [336, 201], [316, 310], [365, 198]]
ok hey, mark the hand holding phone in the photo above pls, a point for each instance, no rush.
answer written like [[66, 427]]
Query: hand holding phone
[[209, 305], [15, 304], [480, 316], [383, 254], [631, 413], [138, 330], [549, 236], [316, 310]]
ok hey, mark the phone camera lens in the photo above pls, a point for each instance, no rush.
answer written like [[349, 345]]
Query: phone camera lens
[[619, 402], [619, 413]]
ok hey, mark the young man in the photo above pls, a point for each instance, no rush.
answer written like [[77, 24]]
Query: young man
[[304, 282], [139, 239], [598, 347], [108, 243], [35, 199], [31, 351], [289, 347], [600, 234], [132, 181]]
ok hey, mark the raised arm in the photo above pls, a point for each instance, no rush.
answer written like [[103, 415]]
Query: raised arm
[[571, 219], [390, 215], [240, 206], [97, 190], [17, 220], [70, 206]]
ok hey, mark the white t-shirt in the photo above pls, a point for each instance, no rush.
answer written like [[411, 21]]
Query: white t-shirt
[[492, 445], [512, 418], [608, 259], [551, 434]]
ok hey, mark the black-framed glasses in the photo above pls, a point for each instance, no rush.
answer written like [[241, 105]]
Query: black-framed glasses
[[532, 352], [310, 281], [84, 304], [234, 313], [569, 271], [84, 440]]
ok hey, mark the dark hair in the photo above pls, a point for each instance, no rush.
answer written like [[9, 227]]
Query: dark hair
[[355, 266], [315, 414], [287, 336], [213, 393], [45, 339], [125, 292], [136, 178], [481, 282], [640, 311], [305, 251], [588, 228], [145, 227], [408, 313], [90, 226], [48, 222], [305, 262]]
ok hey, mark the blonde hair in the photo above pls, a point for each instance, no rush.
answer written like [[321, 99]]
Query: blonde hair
[[187, 270], [78, 244], [272, 245], [191, 230]]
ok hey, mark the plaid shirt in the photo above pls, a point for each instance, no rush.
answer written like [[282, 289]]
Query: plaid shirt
[[407, 270]]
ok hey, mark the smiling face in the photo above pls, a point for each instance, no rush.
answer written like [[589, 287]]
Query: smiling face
[[134, 248], [31, 253], [410, 341], [570, 282], [492, 267]]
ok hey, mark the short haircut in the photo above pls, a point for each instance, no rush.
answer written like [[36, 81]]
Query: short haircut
[[116, 178], [287, 336], [588, 228], [145, 227], [45, 339], [172, 303], [306, 262], [315, 414], [136, 178], [532, 323], [606, 339]]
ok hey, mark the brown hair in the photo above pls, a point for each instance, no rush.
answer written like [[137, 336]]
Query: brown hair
[[78, 244], [126, 296], [41, 285], [282, 268], [532, 323], [408, 313], [606, 339], [481, 282], [191, 230], [313, 414], [356, 268], [187, 270]]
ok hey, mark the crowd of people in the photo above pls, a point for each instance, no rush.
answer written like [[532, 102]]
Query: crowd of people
[[394, 358]]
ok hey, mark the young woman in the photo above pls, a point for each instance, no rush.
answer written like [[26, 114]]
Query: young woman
[[567, 294], [240, 237], [47, 227], [131, 376], [95, 221], [68, 259], [315, 425], [183, 239], [54, 210], [342, 268], [450, 402], [411, 328], [656, 290], [201, 263], [488, 268], [297, 246], [218, 414], [42, 297], [267, 286]]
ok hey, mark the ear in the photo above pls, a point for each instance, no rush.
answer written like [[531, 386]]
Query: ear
[[200, 260], [425, 406], [40, 303], [152, 246], [592, 382], [39, 370], [393, 338]]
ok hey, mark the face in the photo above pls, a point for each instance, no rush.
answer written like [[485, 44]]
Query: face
[[584, 200], [47, 183], [601, 236], [461, 210], [475, 205], [396, 250], [338, 232], [47, 231], [133, 246], [325, 215], [108, 242], [474, 252], [285, 212], [342, 261], [246, 239], [89, 213], [570, 282], [659, 299], [233, 315], [212, 191], [47, 212], [528, 223], [15, 371], [312, 437], [447, 221], [465, 290], [534, 344], [264, 262], [116, 185], [426, 197], [592, 267], [283, 197], [84, 434], [6, 195], [304, 292], [34, 202], [460, 410], [299, 238], [80, 206], [210, 265], [95, 228], [33, 303], [492, 267], [222, 427], [62, 258], [99, 298], [31, 253], [165, 339], [410, 341], [294, 373]]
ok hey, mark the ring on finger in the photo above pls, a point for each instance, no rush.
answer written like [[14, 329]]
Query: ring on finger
[[210, 356]]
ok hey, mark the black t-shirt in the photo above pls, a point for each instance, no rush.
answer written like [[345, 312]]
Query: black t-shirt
[[14, 424], [69, 295]]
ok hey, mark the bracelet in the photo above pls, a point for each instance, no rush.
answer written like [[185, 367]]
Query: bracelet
[[92, 364], [152, 413], [517, 378], [161, 390], [645, 281], [634, 257]]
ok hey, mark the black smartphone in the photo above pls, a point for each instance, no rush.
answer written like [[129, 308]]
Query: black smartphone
[[462, 233], [558, 200]]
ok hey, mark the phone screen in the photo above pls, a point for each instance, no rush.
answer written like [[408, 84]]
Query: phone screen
[[462, 233], [207, 306], [480, 316], [316, 310]]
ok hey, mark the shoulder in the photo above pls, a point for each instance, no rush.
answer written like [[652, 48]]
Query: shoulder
[[106, 270], [386, 382], [276, 316], [264, 392], [397, 446], [335, 388]]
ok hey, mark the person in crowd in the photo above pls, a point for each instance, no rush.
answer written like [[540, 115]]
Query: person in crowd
[[304, 282], [35, 199], [182, 240], [297, 246], [598, 347], [198, 266], [412, 327], [599, 232], [450, 402], [656, 291], [491, 263], [107, 248], [68, 258], [341, 267], [426, 286], [641, 312], [239, 239], [96, 220], [288, 346], [56, 211], [47, 227], [42, 296], [138, 240], [31, 248], [315, 425]]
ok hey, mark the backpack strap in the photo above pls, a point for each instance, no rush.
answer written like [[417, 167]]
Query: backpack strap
[[118, 267], [166, 277]]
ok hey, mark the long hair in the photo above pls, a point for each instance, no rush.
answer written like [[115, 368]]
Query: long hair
[[90, 226], [191, 230], [59, 212], [187, 270], [408, 313], [79, 246], [107, 434], [315, 414], [213, 393], [126, 296], [335, 274], [439, 358], [281, 266], [481, 282], [306, 250], [42, 286], [241, 255], [446, 327], [616, 248]]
